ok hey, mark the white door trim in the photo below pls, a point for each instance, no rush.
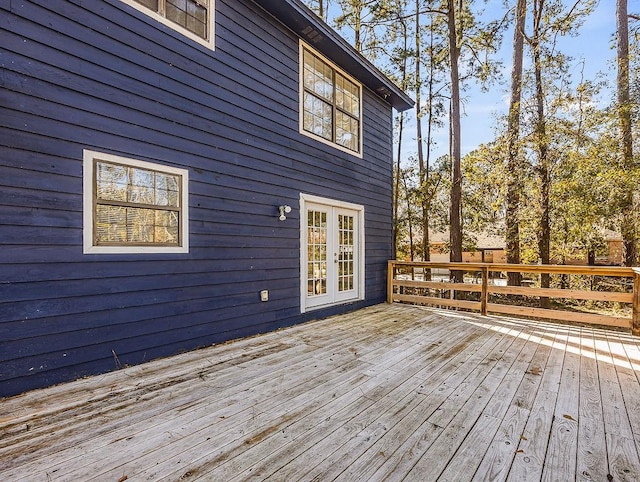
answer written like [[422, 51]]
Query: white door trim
[[333, 203]]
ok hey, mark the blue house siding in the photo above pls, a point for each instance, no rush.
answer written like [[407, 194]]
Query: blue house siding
[[102, 76]]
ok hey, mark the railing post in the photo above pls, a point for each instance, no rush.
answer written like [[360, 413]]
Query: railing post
[[635, 317], [390, 277], [485, 290]]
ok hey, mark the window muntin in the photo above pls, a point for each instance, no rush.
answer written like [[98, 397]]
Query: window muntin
[[347, 131], [346, 251], [347, 96], [134, 206], [192, 17], [318, 76], [331, 103], [317, 253], [317, 117]]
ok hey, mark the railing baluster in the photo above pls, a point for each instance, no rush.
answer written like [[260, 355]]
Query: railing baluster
[[485, 291], [635, 319], [391, 275]]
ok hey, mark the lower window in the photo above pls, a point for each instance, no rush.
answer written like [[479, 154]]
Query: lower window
[[133, 206]]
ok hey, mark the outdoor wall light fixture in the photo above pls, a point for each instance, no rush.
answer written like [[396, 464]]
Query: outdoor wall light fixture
[[284, 210]]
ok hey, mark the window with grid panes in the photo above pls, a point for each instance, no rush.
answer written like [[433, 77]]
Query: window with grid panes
[[135, 204], [331, 103], [192, 15]]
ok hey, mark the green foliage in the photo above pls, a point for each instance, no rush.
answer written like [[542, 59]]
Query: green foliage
[[412, 195], [483, 187]]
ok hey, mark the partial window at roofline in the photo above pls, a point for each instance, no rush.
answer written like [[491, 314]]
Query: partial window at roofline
[[192, 18]]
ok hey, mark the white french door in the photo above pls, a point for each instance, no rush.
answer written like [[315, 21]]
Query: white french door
[[332, 252]]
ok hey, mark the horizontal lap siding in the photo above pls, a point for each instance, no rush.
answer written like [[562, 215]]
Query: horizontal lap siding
[[102, 76]]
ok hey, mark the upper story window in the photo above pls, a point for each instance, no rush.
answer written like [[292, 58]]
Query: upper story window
[[194, 18], [133, 206], [331, 103]]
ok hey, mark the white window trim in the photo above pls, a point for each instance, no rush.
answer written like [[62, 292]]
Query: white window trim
[[209, 43], [88, 211], [309, 198], [302, 47]]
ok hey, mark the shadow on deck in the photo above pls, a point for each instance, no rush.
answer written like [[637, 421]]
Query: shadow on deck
[[391, 392]]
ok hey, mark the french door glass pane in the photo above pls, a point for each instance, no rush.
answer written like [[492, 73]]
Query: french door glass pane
[[345, 253], [316, 253]]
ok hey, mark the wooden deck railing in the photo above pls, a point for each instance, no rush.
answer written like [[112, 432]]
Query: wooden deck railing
[[485, 290]]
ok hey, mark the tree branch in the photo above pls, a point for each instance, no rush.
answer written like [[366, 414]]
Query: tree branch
[[429, 10]]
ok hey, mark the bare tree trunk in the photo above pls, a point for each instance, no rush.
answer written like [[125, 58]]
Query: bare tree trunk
[[396, 198], [396, 192], [544, 175], [409, 217], [542, 144], [455, 221], [322, 9], [430, 194], [418, 79], [514, 168], [357, 28], [628, 227]]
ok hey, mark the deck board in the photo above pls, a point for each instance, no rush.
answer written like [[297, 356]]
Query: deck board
[[561, 456], [391, 392], [591, 450]]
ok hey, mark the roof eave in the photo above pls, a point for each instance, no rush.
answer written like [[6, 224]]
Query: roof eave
[[308, 26]]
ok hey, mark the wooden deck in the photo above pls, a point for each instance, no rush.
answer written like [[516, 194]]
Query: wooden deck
[[392, 392]]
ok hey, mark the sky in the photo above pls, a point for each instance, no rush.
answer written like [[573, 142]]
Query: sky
[[593, 45]]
